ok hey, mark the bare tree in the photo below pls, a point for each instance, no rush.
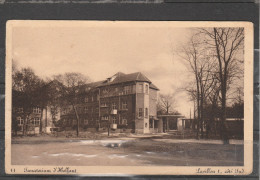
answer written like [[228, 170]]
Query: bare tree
[[167, 103], [226, 45], [197, 59], [72, 83]]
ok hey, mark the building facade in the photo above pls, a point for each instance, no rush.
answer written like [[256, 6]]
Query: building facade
[[123, 102]]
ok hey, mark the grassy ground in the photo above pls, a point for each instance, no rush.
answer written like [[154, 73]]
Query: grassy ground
[[119, 150]]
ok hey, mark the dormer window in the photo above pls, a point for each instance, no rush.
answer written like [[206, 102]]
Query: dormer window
[[108, 79]]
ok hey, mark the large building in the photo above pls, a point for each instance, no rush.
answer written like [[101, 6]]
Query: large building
[[123, 102]]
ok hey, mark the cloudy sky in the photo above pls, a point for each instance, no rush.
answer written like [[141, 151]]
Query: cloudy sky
[[101, 51]]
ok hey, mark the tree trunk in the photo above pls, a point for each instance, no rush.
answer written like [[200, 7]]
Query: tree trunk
[[201, 116], [108, 129], [224, 134], [41, 119], [25, 122], [77, 116], [198, 111]]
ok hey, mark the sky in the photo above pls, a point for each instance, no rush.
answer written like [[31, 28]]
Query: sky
[[101, 51]]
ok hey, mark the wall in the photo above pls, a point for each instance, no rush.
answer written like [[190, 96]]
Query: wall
[[47, 121], [128, 113], [152, 102], [142, 101]]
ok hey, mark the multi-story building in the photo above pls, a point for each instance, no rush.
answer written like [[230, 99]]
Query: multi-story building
[[123, 101]]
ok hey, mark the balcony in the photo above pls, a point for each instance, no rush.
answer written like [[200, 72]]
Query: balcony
[[113, 126], [114, 111]]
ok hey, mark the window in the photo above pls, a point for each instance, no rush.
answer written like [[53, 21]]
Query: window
[[36, 110], [104, 104], [146, 88], [19, 121], [35, 121], [92, 98], [20, 110], [86, 109], [114, 120], [124, 105], [146, 112], [141, 88], [127, 89], [140, 112], [85, 121], [74, 121], [116, 89], [113, 105], [105, 91], [66, 111], [86, 99], [104, 118], [124, 121]]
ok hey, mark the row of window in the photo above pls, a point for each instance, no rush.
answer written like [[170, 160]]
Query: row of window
[[90, 99], [74, 121], [79, 110], [35, 110], [34, 121], [123, 119], [113, 105], [128, 89], [124, 106]]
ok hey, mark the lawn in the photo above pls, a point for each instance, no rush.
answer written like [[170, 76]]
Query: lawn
[[125, 152]]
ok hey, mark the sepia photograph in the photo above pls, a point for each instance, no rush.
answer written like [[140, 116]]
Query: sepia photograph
[[118, 97]]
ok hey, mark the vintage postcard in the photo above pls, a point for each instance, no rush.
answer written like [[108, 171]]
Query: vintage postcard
[[129, 98]]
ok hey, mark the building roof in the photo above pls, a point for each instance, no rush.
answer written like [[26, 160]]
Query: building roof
[[117, 79], [121, 78], [153, 86]]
